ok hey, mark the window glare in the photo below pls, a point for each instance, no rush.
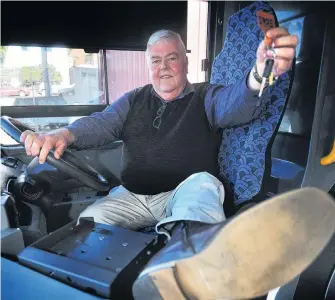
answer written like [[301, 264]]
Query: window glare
[[38, 124]]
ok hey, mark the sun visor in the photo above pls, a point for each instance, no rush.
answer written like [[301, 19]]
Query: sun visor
[[98, 24]]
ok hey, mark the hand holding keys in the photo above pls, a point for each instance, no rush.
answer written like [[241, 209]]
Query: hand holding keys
[[276, 53]]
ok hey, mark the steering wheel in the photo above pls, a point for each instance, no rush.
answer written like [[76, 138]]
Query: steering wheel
[[68, 163]]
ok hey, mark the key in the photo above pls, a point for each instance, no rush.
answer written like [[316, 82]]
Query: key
[[269, 62], [265, 22]]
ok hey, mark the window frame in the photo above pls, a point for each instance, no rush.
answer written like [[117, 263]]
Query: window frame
[[40, 111]]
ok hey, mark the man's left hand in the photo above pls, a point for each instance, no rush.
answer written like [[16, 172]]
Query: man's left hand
[[284, 46]]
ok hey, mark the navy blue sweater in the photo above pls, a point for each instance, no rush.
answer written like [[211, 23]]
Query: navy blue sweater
[[165, 142]]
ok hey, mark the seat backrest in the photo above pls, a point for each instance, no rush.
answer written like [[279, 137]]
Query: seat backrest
[[245, 156]]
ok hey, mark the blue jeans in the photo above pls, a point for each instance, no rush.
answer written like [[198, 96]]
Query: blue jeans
[[198, 198]]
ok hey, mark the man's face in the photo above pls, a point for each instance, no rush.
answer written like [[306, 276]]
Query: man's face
[[168, 69]]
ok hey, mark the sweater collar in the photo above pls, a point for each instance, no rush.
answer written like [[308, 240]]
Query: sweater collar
[[189, 88]]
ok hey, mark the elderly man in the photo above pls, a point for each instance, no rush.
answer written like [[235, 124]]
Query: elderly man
[[171, 134]]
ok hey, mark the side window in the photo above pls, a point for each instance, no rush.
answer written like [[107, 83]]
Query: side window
[[50, 76], [296, 126], [290, 117], [298, 117]]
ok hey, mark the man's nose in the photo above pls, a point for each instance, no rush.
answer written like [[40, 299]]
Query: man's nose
[[163, 64]]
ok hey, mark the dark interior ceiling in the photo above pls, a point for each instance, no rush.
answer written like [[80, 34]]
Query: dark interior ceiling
[[86, 24]]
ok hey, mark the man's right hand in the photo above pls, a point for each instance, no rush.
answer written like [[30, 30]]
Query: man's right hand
[[39, 143]]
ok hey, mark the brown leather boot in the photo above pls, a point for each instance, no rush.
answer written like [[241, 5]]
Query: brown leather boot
[[261, 249]]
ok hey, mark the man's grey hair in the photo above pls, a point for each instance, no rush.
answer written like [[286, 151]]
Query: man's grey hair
[[169, 35]]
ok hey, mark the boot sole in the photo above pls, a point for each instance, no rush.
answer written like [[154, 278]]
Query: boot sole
[[261, 249]]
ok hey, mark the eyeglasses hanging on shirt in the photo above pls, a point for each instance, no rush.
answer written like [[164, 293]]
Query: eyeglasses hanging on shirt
[[158, 120]]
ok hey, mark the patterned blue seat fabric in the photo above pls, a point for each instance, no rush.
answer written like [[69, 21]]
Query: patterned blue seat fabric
[[244, 155]]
